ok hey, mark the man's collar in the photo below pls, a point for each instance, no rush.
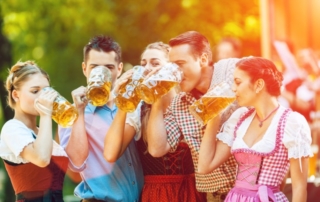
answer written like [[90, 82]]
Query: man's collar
[[196, 93], [91, 108]]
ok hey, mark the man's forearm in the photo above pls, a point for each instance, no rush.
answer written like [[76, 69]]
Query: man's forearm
[[77, 147]]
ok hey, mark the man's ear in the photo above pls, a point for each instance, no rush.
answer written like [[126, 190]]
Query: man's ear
[[84, 68], [204, 60], [120, 68]]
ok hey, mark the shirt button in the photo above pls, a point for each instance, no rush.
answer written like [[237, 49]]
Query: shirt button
[[133, 182], [129, 164]]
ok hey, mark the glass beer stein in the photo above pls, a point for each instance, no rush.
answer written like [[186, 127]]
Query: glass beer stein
[[160, 83], [99, 86], [128, 99], [63, 113], [212, 103]]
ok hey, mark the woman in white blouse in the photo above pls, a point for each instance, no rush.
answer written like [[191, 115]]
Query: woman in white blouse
[[35, 163], [265, 138]]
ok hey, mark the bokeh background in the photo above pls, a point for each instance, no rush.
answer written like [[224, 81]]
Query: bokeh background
[[53, 33]]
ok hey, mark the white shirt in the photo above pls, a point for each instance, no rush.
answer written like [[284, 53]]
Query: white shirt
[[15, 136]]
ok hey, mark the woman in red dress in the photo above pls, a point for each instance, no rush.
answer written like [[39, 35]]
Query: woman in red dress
[[35, 163]]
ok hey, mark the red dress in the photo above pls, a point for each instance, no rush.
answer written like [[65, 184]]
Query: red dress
[[32, 183], [168, 178]]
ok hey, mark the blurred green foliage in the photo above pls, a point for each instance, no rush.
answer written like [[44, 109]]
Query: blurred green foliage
[[53, 32]]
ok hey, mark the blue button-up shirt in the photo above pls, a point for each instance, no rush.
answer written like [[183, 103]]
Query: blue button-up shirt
[[119, 181]]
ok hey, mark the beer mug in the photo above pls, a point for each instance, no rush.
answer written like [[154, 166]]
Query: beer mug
[[99, 86], [160, 83], [63, 113], [217, 98], [128, 99], [313, 162]]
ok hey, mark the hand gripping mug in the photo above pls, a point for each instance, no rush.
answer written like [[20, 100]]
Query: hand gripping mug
[[212, 103], [128, 99], [63, 113], [99, 86], [160, 83]]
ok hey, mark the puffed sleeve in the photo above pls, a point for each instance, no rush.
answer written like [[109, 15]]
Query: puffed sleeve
[[15, 136], [297, 136], [134, 120], [227, 129]]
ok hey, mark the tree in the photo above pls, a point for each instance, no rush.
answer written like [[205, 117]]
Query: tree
[[53, 32], [5, 55]]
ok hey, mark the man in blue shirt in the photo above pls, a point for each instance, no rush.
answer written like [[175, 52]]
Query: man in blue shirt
[[84, 141]]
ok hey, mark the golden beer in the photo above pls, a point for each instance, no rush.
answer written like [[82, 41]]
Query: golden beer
[[99, 86], [313, 162], [63, 113], [153, 90], [207, 107], [99, 95], [127, 100]]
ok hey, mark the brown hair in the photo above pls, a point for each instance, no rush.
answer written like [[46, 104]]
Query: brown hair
[[102, 43], [199, 44], [18, 74]]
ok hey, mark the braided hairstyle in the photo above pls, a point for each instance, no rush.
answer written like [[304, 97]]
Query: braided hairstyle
[[18, 74], [261, 68]]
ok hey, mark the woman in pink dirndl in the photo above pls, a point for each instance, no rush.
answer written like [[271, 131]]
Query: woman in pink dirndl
[[265, 138]]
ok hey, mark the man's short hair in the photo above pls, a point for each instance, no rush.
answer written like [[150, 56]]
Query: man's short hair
[[199, 44], [102, 43]]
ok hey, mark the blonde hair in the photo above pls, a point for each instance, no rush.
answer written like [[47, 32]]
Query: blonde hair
[[18, 74], [158, 46]]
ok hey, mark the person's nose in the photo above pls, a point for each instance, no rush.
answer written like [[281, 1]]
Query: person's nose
[[233, 88], [148, 68]]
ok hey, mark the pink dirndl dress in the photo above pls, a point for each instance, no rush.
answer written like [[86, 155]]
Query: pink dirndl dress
[[259, 174]]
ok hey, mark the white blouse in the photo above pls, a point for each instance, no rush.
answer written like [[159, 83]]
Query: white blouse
[[296, 138], [15, 136]]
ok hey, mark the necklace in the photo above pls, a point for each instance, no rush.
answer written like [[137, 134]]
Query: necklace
[[261, 121]]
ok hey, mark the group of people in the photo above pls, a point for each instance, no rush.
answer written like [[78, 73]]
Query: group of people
[[160, 152]]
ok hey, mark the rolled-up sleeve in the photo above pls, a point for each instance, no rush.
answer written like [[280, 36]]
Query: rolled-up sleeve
[[172, 128], [64, 135]]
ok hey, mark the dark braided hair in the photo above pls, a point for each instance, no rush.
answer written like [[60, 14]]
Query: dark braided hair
[[261, 68]]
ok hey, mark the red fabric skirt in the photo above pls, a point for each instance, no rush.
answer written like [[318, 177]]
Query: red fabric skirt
[[173, 188]]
